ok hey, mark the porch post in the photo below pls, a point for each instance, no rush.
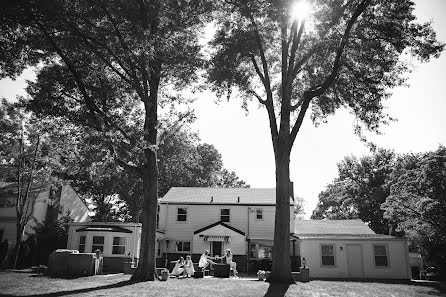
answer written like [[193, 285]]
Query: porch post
[[294, 253], [247, 256]]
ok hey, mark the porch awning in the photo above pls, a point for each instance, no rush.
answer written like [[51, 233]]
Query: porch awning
[[105, 229], [216, 238]]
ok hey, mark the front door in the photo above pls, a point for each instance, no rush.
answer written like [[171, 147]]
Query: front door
[[354, 259], [216, 248]]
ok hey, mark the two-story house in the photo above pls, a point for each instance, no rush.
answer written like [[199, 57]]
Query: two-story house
[[192, 220], [241, 219]]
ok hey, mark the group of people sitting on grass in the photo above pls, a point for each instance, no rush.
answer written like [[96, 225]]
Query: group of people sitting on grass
[[185, 268]]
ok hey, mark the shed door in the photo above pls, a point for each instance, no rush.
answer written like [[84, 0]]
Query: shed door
[[354, 259]]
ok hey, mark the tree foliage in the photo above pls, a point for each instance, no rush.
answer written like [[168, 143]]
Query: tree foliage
[[359, 190], [106, 65], [345, 54], [417, 202]]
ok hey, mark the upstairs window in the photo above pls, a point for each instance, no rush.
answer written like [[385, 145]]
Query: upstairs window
[[328, 257], [82, 240], [225, 214], [182, 214], [98, 244], [259, 214], [118, 246], [380, 255]]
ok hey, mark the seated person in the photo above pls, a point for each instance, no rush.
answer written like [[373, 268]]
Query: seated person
[[205, 260], [189, 266], [229, 261], [178, 270]]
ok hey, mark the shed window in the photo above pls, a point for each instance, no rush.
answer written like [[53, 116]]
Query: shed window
[[98, 244], [118, 246], [259, 214], [380, 255], [328, 258], [183, 246], [225, 215], [182, 214], [82, 243]]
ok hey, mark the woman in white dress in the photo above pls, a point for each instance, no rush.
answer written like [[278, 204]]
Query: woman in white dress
[[229, 261], [205, 259], [189, 267], [178, 270]]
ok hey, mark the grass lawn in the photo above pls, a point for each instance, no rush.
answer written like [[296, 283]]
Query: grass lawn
[[27, 284]]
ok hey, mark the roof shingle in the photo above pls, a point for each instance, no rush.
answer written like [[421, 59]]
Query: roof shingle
[[331, 227], [191, 195]]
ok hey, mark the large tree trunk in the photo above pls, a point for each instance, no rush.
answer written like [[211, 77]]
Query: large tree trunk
[[281, 264], [146, 265]]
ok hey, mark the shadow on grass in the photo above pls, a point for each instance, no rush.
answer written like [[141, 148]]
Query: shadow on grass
[[277, 290], [437, 285], [80, 291]]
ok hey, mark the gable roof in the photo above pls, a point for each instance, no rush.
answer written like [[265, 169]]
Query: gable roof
[[219, 223], [332, 228], [193, 195]]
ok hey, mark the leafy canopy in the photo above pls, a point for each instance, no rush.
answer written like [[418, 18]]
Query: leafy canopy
[[346, 53]]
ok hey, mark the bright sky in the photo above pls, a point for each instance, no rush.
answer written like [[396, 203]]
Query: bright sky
[[245, 143]]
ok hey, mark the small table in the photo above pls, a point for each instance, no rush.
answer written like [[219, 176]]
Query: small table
[[222, 270]]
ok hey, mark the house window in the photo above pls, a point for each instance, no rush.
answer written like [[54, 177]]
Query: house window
[[182, 214], [328, 258], [380, 255], [252, 251], [118, 246], [183, 246], [259, 214], [98, 244], [264, 252], [82, 244], [224, 214], [158, 252]]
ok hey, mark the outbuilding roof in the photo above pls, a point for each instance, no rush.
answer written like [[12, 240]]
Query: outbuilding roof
[[236, 196], [314, 228]]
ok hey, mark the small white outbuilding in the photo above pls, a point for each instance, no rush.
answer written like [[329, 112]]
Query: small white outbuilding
[[350, 249]]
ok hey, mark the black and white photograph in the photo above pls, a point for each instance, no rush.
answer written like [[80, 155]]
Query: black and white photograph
[[269, 148]]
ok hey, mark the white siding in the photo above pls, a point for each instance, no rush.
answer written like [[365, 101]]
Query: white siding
[[72, 203], [397, 258], [199, 216], [131, 244]]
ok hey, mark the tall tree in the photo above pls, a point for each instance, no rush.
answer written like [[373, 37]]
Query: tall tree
[[359, 190], [105, 65], [346, 53], [417, 202]]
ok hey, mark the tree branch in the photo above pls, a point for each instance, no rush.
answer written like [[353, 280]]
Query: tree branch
[[256, 67], [254, 93], [297, 36], [319, 90], [297, 67], [258, 40], [303, 109]]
